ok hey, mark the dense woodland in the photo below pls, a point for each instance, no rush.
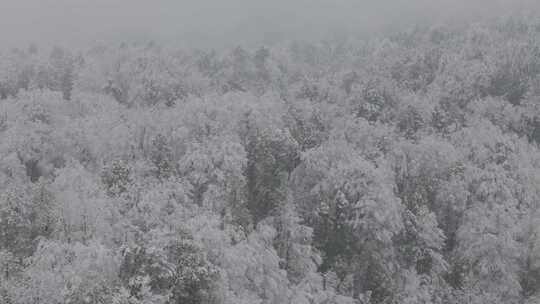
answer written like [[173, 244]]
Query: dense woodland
[[399, 169]]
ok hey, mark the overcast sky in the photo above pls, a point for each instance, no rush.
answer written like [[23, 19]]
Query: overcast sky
[[209, 22]]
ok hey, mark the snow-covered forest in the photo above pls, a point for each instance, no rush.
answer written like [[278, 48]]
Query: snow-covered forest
[[397, 169]]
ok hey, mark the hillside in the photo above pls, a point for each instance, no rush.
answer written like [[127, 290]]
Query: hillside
[[399, 169]]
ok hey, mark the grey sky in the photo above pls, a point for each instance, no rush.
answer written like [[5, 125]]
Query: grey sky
[[208, 22]]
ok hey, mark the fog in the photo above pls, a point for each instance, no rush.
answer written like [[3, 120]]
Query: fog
[[224, 23]]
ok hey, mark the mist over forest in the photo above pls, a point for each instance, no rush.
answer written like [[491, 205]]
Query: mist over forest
[[217, 24], [269, 152]]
